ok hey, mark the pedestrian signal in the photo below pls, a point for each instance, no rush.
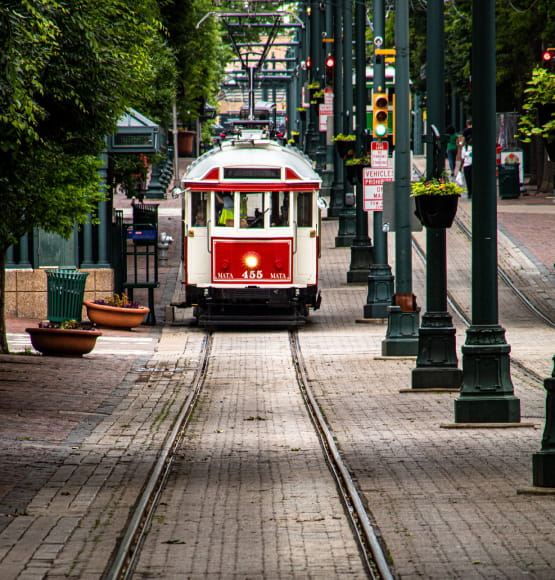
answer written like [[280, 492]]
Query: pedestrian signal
[[380, 114]]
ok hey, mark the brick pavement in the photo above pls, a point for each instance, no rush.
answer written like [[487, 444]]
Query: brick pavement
[[445, 501]]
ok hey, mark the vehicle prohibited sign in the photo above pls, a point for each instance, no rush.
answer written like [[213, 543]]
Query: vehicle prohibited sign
[[372, 183]]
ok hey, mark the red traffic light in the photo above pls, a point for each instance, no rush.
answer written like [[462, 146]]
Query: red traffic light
[[548, 55], [308, 62], [330, 62]]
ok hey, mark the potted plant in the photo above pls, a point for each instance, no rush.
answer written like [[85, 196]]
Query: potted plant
[[313, 88], [302, 113], [68, 338], [116, 311], [295, 136], [436, 201], [345, 145]]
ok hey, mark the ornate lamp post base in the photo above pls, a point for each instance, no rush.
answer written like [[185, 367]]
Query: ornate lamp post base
[[543, 462], [380, 291], [402, 333], [436, 364], [347, 229], [361, 258], [487, 391]]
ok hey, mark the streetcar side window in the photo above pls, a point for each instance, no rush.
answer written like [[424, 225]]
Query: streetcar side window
[[224, 208], [252, 210], [279, 216], [198, 208], [304, 209]]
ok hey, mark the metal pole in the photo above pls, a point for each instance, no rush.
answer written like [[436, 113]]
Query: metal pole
[[436, 364], [380, 280], [487, 394], [347, 217], [361, 250], [402, 331]]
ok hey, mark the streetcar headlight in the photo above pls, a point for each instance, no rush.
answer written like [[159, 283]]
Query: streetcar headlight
[[251, 261]]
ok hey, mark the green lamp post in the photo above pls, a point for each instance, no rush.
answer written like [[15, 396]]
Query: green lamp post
[[436, 363], [487, 394]]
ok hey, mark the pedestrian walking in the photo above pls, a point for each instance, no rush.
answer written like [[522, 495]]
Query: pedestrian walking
[[466, 163], [452, 149]]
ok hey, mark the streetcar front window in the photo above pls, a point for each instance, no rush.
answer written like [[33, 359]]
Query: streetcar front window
[[252, 210], [279, 216], [304, 209], [198, 208]]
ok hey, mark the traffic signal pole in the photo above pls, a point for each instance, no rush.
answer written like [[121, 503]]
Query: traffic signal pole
[[402, 331], [361, 250], [380, 279]]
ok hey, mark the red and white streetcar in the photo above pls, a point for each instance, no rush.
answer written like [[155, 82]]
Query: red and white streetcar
[[251, 232]]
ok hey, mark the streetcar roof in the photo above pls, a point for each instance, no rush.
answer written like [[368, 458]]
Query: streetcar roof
[[251, 165]]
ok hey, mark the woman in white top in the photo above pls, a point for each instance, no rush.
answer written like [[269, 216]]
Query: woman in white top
[[466, 162]]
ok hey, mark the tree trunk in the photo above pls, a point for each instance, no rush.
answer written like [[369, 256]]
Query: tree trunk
[[4, 349], [548, 177]]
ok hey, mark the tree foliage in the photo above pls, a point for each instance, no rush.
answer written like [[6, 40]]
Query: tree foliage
[[199, 53], [69, 71]]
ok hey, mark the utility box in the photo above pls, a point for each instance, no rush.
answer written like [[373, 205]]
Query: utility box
[[509, 181]]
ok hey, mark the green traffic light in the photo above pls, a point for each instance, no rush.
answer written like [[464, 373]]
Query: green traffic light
[[380, 130]]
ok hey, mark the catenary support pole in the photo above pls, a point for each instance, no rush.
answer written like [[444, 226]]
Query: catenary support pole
[[402, 331], [436, 363], [487, 394], [361, 250]]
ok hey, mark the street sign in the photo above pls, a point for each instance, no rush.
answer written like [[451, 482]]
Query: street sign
[[372, 184], [379, 153]]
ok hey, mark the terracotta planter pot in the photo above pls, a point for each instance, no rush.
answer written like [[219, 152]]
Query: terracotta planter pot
[[185, 143], [436, 211], [105, 315], [63, 341]]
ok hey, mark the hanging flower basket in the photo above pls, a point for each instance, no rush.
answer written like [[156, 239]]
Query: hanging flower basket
[[353, 169], [436, 202], [345, 145], [436, 211]]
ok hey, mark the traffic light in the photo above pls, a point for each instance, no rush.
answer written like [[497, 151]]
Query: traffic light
[[548, 58], [330, 69], [380, 114]]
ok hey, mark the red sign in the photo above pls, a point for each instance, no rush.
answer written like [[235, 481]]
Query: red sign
[[252, 262], [379, 153]]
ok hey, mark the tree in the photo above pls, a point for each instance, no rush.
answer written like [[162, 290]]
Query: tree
[[199, 53], [67, 77]]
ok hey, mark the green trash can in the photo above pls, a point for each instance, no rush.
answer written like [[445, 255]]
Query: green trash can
[[66, 289], [509, 181]]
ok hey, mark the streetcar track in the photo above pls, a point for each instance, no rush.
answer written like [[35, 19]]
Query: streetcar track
[[128, 551], [370, 546], [123, 561]]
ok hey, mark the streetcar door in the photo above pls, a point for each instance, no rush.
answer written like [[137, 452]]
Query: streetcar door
[[306, 237]]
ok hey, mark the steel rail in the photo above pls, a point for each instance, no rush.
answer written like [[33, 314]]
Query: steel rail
[[122, 563], [360, 520]]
